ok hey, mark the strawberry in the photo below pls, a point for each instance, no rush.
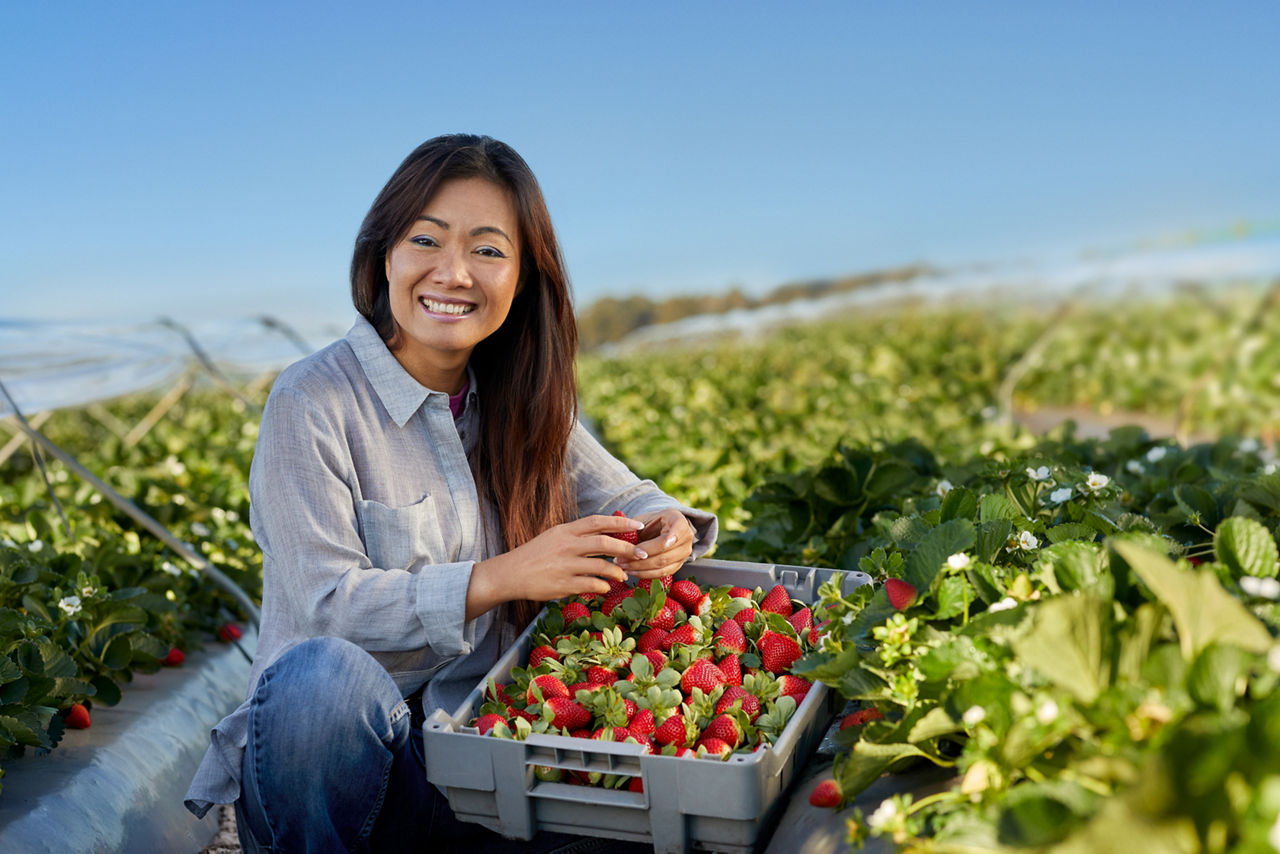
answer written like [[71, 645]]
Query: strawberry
[[685, 634], [793, 686], [632, 537], [826, 794], [745, 616], [860, 717], [567, 713], [725, 728], [644, 739], [744, 699], [730, 637], [616, 586], [672, 731], [642, 722], [613, 600], [777, 652], [580, 733], [901, 594], [174, 657], [574, 611], [636, 784], [777, 601], [229, 633], [702, 607], [484, 723], [686, 592], [611, 733], [583, 686], [702, 674], [814, 634], [657, 659], [647, 583], [539, 654], [731, 667], [739, 593], [666, 618], [77, 717], [601, 675], [651, 640], [801, 620], [550, 687], [631, 707], [714, 747]]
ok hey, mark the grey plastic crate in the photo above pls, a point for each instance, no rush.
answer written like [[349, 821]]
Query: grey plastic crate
[[686, 803]]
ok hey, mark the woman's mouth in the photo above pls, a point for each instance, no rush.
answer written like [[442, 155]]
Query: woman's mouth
[[438, 307]]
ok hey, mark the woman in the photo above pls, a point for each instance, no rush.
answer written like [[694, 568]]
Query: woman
[[419, 488]]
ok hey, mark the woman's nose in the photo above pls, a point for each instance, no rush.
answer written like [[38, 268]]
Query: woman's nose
[[452, 269]]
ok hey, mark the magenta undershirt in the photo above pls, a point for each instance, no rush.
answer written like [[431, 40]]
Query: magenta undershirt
[[458, 402]]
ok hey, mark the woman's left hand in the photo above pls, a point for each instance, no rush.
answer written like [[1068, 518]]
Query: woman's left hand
[[668, 538]]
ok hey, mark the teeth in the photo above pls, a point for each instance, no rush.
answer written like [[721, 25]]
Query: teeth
[[446, 307]]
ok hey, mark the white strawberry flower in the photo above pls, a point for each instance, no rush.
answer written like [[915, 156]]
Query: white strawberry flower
[[233, 516], [959, 560], [1047, 712], [170, 568], [35, 545], [8, 543], [1060, 495], [1006, 604], [944, 486], [1270, 468], [1264, 588], [70, 604], [1039, 474], [1248, 445], [1273, 658], [1096, 482], [847, 619], [885, 814], [974, 715], [1273, 836], [199, 529], [1027, 541], [1156, 454], [87, 591], [1134, 467]]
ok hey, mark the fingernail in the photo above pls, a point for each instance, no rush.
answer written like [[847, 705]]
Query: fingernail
[[641, 554], [671, 541], [635, 524]]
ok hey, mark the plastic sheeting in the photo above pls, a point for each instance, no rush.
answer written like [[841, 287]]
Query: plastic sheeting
[[49, 365]]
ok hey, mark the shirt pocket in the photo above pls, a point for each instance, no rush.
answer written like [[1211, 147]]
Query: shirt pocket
[[395, 537]]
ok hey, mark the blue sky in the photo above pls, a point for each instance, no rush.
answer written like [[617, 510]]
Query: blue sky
[[215, 160]]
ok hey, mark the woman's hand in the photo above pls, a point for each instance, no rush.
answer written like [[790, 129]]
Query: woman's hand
[[667, 540], [565, 560]]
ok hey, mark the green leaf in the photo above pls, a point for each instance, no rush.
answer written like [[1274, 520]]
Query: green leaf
[[992, 535], [998, 507], [1068, 644], [1212, 679], [1246, 547], [960, 503], [926, 560], [107, 692], [934, 723], [1039, 814], [1070, 531], [1203, 612], [23, 731], [953, 594], [864, 765], [1197, 503]]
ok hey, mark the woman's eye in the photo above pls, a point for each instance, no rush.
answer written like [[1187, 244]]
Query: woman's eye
[[490, 252], [423, 240]]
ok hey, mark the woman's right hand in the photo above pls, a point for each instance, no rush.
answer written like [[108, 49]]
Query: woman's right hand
[[565, 560]]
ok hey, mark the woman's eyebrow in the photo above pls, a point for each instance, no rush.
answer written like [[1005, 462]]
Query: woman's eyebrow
[[483, 229]]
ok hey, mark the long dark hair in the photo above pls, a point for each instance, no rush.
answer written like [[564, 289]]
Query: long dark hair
[[525, 370]]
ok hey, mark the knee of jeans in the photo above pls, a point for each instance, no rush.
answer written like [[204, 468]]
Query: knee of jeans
[[329, 679]]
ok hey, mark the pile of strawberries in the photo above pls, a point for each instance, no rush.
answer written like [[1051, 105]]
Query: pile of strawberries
[[682, 670]]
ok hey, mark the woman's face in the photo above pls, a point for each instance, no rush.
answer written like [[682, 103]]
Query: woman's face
[[451, 279]]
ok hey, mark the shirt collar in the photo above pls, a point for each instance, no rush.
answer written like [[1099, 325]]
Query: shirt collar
[[399, 392]]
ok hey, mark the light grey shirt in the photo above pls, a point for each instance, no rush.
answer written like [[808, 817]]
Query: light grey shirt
[[363, 503]]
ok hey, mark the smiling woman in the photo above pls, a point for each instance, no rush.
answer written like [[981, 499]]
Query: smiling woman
[[419, 489]]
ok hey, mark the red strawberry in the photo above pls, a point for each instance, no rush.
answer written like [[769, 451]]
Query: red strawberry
[[777, 652], [666, 618], [601, 675], [730, 638], [487, 722], [746, 615], [574, 611], [702, 674], [686, 592], [539, 654], [521, 713], [631, 707], [739, 593], [647, 583], [793, 686], [642, 722], [777, 601], [614, 599], [636, 784], [715, 747], [685, 634], [651, 640], [583, 686], [826, 794], [901, 594], [616, 586], [860, 717], [550, 686], [731, 667], [611, 733], [725, 728], [801, 620], [657, 659], [77, 717], [580, 733], [568, 714], [814, 634], [229, 632], [174, 657], [643, 738], [632, 537], [672, 731], [736, 694]]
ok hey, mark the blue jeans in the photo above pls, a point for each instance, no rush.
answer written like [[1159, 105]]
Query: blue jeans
[[334, 763]]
